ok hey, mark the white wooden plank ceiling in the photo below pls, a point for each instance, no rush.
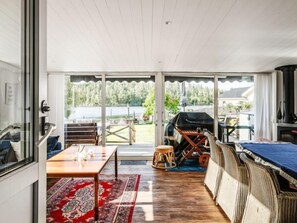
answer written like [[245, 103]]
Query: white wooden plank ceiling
[[10, 31], [203, 36]]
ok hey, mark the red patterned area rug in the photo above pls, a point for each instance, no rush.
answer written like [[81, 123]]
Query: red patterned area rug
[[73, 200]]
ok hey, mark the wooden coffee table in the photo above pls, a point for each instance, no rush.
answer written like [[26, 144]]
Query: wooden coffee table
[[65, 165]]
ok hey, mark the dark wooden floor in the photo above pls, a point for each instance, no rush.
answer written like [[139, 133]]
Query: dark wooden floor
[[171, 196]]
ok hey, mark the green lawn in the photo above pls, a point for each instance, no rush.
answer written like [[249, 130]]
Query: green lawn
[[145, 134]]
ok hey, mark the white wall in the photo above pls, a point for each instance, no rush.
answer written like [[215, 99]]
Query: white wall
[[9, 112], [56, 97]]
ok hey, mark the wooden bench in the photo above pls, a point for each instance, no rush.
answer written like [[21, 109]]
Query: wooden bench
[[81, 133]]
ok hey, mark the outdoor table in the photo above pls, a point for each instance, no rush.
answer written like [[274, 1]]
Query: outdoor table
[[231, 128], [280, 156]]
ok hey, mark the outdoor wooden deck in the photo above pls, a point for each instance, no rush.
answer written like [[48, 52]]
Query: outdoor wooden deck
[[171, 196]]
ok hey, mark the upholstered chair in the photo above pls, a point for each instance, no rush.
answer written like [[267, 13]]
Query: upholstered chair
[[215, 166], [266, 202], [233, 187]]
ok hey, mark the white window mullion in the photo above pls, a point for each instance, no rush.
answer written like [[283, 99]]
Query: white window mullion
[[103, 109], [159, 110], [216, 105]]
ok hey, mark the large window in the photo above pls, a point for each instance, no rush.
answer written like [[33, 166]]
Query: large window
[[16, 85], [188, 94], [130, 107], [82, 100], [82, 110], [235, 101], [193, 95], [196, 94]]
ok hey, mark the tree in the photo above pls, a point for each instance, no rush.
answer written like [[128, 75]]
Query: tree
[[149, 103], [171, 103], [133, 93]]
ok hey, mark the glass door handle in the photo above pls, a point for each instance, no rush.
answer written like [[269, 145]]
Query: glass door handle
[[51, 128]]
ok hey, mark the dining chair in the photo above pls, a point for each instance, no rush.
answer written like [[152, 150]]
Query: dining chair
[[233, 187], [266, 201], [215, 166]]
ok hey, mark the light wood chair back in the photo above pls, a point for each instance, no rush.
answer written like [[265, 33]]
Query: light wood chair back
[[266, 201], [233, 187], [215, 166]]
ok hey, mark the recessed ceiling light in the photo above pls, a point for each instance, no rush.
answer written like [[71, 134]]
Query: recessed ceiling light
[[168, 22]]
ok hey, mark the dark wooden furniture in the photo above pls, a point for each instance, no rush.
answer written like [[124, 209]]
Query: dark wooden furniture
[[81, 133], [64, 165], [196, 142]]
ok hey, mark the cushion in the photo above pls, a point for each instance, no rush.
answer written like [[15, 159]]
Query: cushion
[[11, 156], [58, 146], [7, 154], [18, 150], [4, 145], [16, 137], [52, 141]]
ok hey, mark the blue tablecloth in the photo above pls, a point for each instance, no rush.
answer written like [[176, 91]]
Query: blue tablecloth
[[283, 156]]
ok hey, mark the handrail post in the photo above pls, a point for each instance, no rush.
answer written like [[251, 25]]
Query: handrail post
[[130, 133]]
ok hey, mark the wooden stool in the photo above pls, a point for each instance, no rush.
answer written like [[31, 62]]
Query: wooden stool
[[164, 154]]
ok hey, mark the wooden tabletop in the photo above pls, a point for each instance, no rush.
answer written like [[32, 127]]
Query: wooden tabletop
[[64, 164]]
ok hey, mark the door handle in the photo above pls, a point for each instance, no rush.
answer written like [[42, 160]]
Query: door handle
[[52, 127], [44, 107]]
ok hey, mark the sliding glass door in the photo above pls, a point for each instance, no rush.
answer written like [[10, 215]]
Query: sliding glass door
[[192, 95], [228, 101], [121, 108], [130, 107], [235, 107], [188, 94], [133, 112], [82, 110]]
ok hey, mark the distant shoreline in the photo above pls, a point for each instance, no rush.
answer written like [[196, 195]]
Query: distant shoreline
[[94, 112]]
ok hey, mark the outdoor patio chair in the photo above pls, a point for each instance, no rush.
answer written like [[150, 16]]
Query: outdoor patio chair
[[233, 187], [215, 166], [266, 201]]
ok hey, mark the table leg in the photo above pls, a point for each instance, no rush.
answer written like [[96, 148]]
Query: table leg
[[96, 197], [116, 164]]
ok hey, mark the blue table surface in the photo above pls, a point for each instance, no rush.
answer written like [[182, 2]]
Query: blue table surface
[[283, 156]]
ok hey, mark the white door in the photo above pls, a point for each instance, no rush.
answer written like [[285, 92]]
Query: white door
[[22, 70]]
